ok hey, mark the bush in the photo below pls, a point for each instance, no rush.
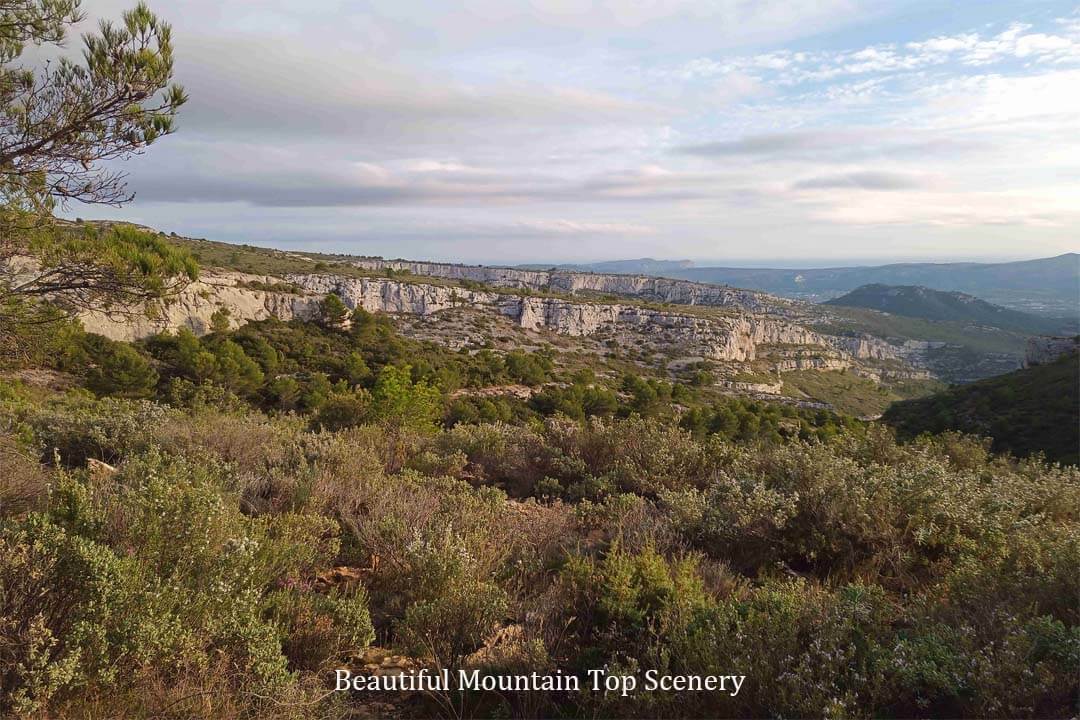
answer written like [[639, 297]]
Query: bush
[[118, 369], [155, 567], [844, 574]]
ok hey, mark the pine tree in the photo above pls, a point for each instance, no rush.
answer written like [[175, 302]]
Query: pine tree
[[59, 127]]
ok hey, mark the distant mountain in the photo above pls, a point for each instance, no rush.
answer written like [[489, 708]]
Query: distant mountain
[[640, 266], [921, 302], [1030, 410], [1049, 286]]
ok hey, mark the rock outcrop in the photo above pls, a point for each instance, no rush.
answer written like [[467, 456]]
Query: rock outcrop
[[735, 337], [194, 307], [1043, 350], [865, 347], [645, 287]]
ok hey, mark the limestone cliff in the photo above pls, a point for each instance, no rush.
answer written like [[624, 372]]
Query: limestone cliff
[[738, 337], [194, 307], [865, 347], [722, 338], [666, 290]]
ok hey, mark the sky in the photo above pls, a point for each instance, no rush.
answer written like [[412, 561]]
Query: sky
[[724, 131]]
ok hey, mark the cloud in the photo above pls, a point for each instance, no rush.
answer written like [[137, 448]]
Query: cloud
[[862, 180], [478, 127], [773, 143], [300, 96], [231, 173], [958, 210], [969, 48], [841, 144]]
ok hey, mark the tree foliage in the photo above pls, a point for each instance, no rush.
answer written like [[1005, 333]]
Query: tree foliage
[[61, 127], [59, 124]]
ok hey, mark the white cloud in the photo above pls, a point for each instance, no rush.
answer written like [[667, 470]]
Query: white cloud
[[606, 125]]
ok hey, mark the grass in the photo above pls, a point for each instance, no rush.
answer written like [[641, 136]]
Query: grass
[[982, 339], [850, 393]]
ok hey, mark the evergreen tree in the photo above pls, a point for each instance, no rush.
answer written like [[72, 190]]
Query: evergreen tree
[[59, 126], [119, 369], [221, 320], [333, 310]]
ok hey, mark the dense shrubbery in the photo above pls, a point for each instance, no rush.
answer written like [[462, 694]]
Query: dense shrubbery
[[334, 375], [618, 522], [741, 419], [153, 578], [844, 574], [1036, 409]]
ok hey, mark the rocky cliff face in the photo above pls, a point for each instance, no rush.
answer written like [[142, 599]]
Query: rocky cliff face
[[194, 307], [1044, 349], [678, 292], [737, 338], [864, 347], [722, 338]]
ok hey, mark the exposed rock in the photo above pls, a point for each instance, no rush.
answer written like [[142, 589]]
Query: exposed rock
[[722, 338], [865, 347], [679, 292], [196, 304], [522, 392], [735, 337], [1043, 350], [100, 468], [811, 362], [753, 388]]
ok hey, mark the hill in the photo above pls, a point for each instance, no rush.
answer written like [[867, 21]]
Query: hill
[[922, 302], [639, 266], [1047, 286], [1027, 411], [235, 509]]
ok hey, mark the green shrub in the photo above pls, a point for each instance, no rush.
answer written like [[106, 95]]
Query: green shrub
[[118, 369], [155, 567]]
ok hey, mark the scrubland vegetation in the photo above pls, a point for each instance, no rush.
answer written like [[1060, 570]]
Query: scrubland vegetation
[[208, 527], [1028, 411], [591, 525]]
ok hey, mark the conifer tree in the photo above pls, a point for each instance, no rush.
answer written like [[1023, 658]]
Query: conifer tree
[[62, 126]]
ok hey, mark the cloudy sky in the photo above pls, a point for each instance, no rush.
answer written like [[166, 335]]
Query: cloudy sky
[[552, 130]]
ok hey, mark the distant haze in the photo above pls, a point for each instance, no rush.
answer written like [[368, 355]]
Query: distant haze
[[513, 131]]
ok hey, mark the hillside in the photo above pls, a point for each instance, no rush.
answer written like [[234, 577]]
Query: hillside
[[1047, 286], [921, 302], [333, 463], [639, 266], [671, 322], [1027, 411]]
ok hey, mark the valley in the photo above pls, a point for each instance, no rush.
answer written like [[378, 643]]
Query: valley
[[288, 429], [749, 340]]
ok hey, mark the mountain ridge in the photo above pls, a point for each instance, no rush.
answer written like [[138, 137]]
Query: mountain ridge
[[1048, 285], [938, 305], [1025, 411]]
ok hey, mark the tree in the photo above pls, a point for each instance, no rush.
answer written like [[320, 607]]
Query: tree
[[120, 369], [221, 321], [333, 311], [115, 271], [401, 405], [342, 410], [235, 370], [59, 127], [399, 402], [356, 369]]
